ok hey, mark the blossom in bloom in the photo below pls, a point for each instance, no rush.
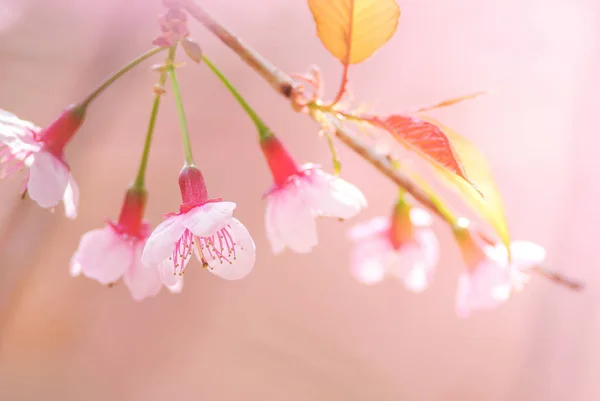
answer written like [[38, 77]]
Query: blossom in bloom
[[23, 144], [115, 252], [299, 194], [205, 227], [403, 246], [490, 278]]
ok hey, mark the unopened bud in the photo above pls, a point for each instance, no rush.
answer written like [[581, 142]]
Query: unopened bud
[[192, 49]]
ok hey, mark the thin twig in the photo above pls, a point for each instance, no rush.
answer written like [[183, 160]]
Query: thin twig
[[279, 80]]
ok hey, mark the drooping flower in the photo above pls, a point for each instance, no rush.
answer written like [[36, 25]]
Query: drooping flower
[[114, 252], [299, 195], [403, 246], [489, 279], [205, 227], [23, 144]]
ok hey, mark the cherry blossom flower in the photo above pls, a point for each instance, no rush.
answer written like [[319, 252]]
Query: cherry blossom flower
[[24, 145], [299, 195], [403, 246], [203, 226], [490, 279], [114, 252]]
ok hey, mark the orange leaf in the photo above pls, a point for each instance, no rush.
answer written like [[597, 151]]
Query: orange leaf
[[352, 30], [483, 195], [426, 138]]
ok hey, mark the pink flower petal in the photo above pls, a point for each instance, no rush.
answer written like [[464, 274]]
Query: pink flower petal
[[17, 134], [370, 260], [102, 255], [485, 288], [177, 287], [328, 195], [245, 255], [48, 180], [142, 281], [161, 243], [292, 222], [526, 255], [71, 198], [277, 244], [205, 220], [420, 217], [417, 261], [373, 227]]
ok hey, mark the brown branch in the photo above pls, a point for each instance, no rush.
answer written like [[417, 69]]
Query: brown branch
[[279, 80], [286, 86], [386, 166]]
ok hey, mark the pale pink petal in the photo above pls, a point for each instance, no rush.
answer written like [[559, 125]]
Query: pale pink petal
[[161, 243], [277, 244], [142, 281], [293, 223], [486, 287], [102, 255], [526, 255], [167, 276], [48, 180], [205, 220], [370, 260], [332, 196], [16, 133], [373, 227], [420, 217], [74, 266], [173, 282], [417, 260], [71, 198], [243, 258], [177, 287]]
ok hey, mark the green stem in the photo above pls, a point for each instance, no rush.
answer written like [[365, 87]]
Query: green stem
[[185, 135], [118, 74], [139, 183], [263, 131]]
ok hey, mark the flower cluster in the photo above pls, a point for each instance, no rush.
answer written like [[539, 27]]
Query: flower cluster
[[401, 245]]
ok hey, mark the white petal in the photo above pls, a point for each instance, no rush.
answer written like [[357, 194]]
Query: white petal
[[177, 287], [142, 281], [332, 196], [245, 254], [205, 220], [526, 255], [417, 261], [486, 287], [16, 133], [370, 260], [277, 244], [48, 180], [293, 222], [71, 198], [369, 228], [420, 217], [102, 255], [75, 266], [161, 243]]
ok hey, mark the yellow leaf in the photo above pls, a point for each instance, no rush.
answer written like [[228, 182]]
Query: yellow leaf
[[352, 30], [486, 200]]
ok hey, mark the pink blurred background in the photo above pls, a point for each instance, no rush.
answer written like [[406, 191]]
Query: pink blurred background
[[299, 328]]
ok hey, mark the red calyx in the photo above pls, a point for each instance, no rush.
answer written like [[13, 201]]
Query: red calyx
[[280, 162], [56, 136], [131, 219], [401, 227], [192, 186]]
